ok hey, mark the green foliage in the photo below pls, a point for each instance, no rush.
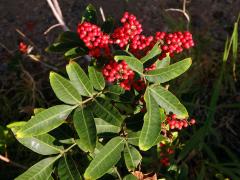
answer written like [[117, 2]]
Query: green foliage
[[67, 169], [64, 89], [100, 124], [45, 121], [90, 14], [155, 51], [133, 63], [96, 78], [168, 73], [105, 110], [152, 123], [79, 79], [108, 156], [132, 157], [85, 127], [168, 101], [42, 144], [42, 170]]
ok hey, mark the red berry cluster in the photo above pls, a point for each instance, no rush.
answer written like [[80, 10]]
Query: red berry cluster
[[130, 28], [165, 153], [174, 42], [130, 34], [93, 37], [140, 42], [175, 123], [23, 48], [139, 85], [118, 72], [150, 68]]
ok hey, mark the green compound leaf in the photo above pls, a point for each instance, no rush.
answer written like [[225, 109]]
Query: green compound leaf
[[41, 170], [106, 111], [132, 157], [74, 52], [152, 123], [66, 41], [108, 156], [133, 137], [168, 101], [105, 127], [45, 121], [96, 78], [64, 89], [168, 73], [85, 126], [155, 51], [132, 62], [115, 89], [164, 62], [79, 79], [67, 169], [90, 14], [70, 37], [42, 144]]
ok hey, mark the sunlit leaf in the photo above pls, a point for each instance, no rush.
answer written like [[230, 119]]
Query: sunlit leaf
[[152, 53], [168, 101], [168, 73], [152, 123], [79, 79], [45, 121], [132, 157], [42, 144], [96, 78], [108, 156], [105, 127], [85, 126], [64, 89], [106, 111], [40, 171], [67, 169], [132, 62]]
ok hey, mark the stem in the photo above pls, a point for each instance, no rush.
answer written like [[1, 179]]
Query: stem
[[7, 160], [184, 5], [70, 147], [91, 98], [35, 58], [127, 47], [102, 14], [118, 174]]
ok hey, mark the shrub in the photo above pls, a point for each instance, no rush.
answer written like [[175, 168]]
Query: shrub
[[121, 115]]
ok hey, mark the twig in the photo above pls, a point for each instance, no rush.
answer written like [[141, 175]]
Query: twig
[[42, 62], [7, 160], [33, 57], [4, 47], [53, 4], [57, 7], [183, 11], [102, 14], [28, 39], [118, 174], [51, 28]]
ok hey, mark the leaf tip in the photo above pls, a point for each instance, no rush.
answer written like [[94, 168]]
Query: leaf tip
[[142, 147], [19, 135], [52, 73], [86, 176]]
